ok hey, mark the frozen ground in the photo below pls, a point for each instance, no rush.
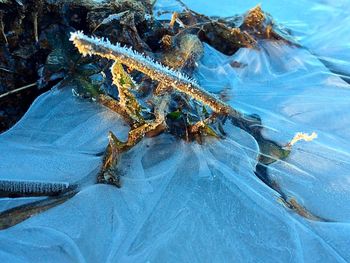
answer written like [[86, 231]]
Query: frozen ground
[[201, 203]]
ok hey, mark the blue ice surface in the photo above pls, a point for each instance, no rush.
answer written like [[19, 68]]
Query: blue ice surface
[[185, 202], [59, 140], [322, 26]]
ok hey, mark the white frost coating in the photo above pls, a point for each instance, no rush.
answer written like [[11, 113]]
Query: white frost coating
[[57, 143], [131, 53]]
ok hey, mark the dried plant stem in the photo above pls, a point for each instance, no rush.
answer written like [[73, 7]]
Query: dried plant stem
[[17, 90], [2, 27], [156, 71], [173, 19], [14, 216], [162, 107], [203, 123], [115, 106], [115, 148], [6, 70], [293, 204], [127, 100], [137, 134], [116, 81], [35, 24]]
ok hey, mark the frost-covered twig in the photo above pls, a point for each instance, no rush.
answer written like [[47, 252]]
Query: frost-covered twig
[[301, 136], [156, 71], [33, 188]]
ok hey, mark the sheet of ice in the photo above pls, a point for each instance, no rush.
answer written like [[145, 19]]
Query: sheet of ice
[[319, 25], [187, 203], [8, 203], [60, 139], [293, 91]]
